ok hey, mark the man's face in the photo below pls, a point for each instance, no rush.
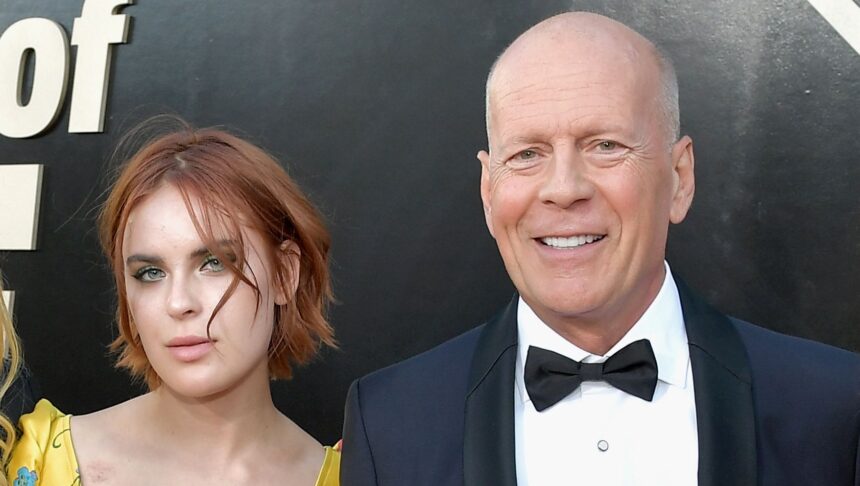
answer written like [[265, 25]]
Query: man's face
[[581, 182]]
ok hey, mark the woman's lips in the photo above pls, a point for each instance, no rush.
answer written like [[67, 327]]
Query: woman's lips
[[189, 348]]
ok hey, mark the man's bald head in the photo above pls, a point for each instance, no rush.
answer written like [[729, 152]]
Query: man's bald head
[[562, 37]]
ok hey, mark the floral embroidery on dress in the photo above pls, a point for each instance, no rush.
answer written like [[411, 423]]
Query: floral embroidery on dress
[[57, 443], [26, 477]]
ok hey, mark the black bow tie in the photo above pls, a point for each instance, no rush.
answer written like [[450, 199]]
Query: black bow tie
[[550, 376]]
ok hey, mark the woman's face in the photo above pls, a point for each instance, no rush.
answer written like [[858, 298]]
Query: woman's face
[[173, 284]]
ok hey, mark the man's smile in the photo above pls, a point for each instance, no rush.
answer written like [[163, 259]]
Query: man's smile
[[564, 242]]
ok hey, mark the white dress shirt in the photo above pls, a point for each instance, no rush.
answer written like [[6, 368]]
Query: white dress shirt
[[599, 435]]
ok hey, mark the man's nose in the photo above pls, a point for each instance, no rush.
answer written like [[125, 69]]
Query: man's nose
[[182, 299], [566, 180]]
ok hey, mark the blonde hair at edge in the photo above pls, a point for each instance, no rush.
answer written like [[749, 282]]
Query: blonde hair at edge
[[11, 362]]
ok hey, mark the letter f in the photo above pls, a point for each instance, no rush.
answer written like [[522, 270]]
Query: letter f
[[93, 32]]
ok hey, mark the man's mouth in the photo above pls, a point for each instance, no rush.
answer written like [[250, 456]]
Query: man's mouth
[[570, 241]]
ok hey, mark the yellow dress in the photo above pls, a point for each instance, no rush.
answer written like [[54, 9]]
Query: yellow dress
[[44, 456]]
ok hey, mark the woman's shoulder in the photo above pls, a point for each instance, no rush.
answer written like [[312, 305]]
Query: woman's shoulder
[[43, 454], [44, 414], [106, 420], [330, 470]]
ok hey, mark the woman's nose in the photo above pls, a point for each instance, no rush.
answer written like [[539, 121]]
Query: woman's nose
[[182, 300]]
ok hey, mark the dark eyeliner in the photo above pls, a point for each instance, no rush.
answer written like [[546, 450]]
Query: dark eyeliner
[[138, 275], [210, 258]]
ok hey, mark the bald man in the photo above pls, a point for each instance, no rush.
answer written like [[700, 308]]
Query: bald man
[[604, 369]]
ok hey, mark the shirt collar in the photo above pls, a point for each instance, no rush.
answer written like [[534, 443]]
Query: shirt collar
[[662, 324]]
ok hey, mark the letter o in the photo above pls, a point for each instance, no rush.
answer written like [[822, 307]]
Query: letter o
[[50, 45]]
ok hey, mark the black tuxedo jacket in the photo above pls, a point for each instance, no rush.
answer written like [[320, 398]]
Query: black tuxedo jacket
[[772, 410]]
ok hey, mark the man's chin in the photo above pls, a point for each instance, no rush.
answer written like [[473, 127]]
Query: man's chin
[[566, 306]]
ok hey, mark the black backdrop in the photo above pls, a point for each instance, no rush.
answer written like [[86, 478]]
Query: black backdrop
[[376, 108]]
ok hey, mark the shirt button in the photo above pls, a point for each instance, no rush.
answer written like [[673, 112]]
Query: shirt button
[[602, 445]]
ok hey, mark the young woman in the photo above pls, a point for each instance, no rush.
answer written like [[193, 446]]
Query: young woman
[[11, 353], [222, 281]]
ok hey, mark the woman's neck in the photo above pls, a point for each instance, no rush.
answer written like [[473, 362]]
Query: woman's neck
[[236, 436], [230, 422]]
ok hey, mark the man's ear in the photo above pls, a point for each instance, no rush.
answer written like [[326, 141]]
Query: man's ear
[[486, 195], [288, 256], [684, 179]]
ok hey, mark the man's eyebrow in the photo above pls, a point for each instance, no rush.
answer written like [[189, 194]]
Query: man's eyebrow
[[523, 138]]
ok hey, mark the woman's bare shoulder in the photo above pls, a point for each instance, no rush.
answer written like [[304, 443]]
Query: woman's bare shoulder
[[108, 421], [103, 438], [298, 456]]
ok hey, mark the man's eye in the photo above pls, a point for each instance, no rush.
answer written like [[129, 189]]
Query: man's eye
[[607, 145], [149, 274], [212, 264], [524, 158]]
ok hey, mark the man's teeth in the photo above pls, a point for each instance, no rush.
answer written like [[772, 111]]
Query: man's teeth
[[571, 241]]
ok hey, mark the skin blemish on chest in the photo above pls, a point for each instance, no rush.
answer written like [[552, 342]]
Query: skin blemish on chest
[[97, 472]]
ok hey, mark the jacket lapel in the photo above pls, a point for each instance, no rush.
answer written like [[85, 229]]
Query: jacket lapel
[[721, 376], [723, 388], [489, 449]]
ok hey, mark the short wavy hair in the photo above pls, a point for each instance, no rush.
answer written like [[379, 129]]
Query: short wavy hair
[[237, 184]]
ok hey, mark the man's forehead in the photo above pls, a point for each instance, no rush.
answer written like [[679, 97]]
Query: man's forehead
[[542, 61], [557, 86], [548, 73]]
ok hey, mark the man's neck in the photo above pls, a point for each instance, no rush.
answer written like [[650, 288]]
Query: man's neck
[[596, 333]]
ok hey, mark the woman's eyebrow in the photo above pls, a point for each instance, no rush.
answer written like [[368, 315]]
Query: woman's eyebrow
[[156, 260], [153, 260], [203, 251]]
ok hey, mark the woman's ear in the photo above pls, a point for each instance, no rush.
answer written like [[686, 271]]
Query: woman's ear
[[289, 256]]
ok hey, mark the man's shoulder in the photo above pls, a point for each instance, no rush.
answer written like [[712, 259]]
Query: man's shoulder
[[773, 358], [442, 365], [411, 416], [775, 344], [780, 361]]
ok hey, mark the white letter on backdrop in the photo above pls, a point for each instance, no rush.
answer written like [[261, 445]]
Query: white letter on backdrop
[[47, 39], [93, 33], [20, 193], [9, 300]]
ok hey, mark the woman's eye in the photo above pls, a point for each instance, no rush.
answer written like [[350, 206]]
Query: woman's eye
[[212, 264], [149, 274]]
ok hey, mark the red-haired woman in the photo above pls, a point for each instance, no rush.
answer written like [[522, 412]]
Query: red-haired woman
[[222, 281]]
